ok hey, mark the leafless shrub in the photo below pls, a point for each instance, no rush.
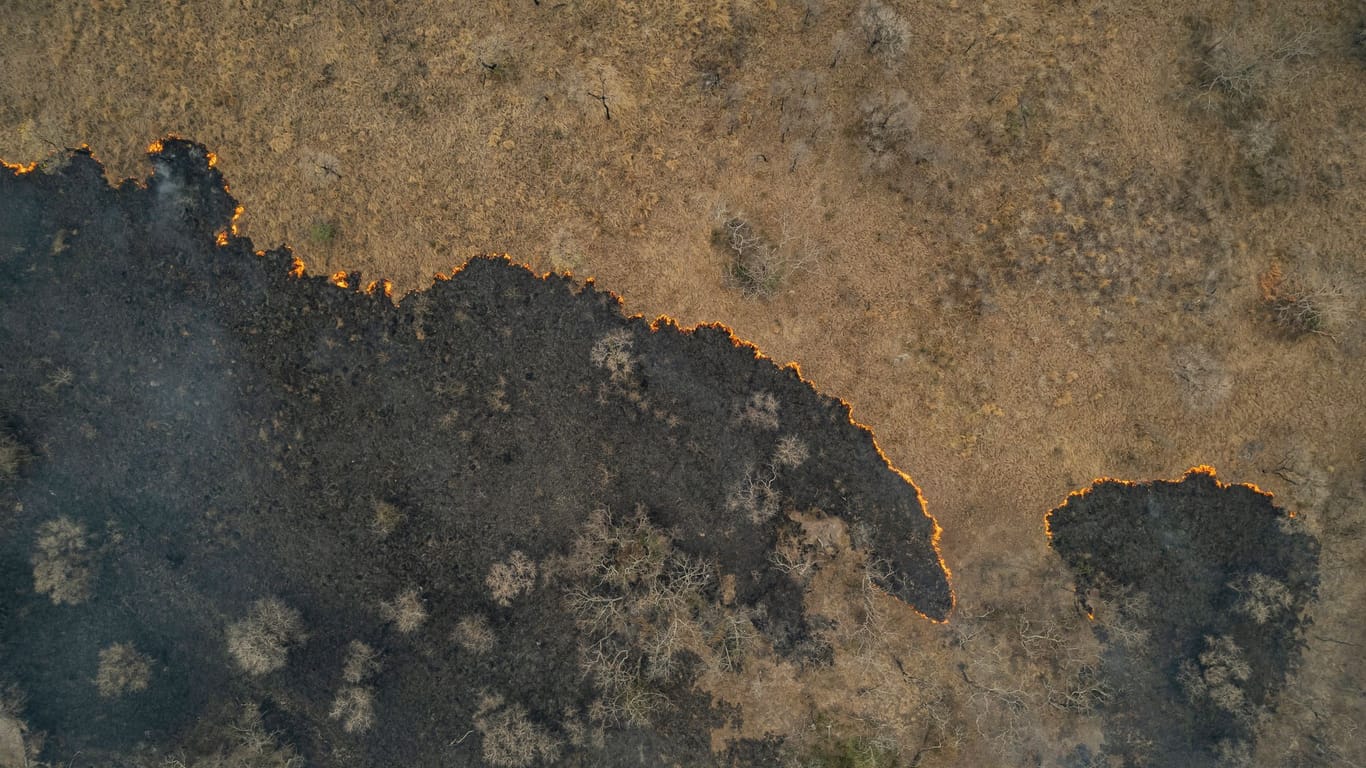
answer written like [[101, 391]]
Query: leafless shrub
[[474, 635], [511, 739], [613, 353], [1202, 379], [515, 576], [406, 611], [260, 642], [802, 113], [354, 706], [759, 266], [362, 661], [61, 562], [761, 410], [755, 496], [883, 30], [12, 456], [733, 641], [793, 558], [1299, 310], [790, 453], [122, 670], [887, 131], [1232, 64], [1219, 676], [1262, 597], [634, 599]]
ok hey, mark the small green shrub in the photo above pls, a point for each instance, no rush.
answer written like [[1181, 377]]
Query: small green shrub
[[322, 232]]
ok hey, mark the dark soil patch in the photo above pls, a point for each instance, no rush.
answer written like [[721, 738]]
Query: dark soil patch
[[1206, 587], [225, 431]]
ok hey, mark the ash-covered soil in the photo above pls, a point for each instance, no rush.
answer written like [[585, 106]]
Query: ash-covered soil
[[1200, 591], [202, 436]]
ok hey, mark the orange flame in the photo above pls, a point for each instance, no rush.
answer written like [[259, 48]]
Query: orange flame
[[221, 239], [213, 160], [1201, 469], [296, 267], [384, 286], [154, 147], [340, 280], [20, 170]]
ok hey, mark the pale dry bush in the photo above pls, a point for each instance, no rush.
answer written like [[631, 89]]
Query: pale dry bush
[[1021, 658], [759, 267], [511, 739], [1261, 597], [761, 410], [885, 33], [405, 611], [122, 670], [790, 453], [613, 353], [12, 456], [245, 743], [1219, 676], [511, 578], [474, 635], [635, 599], [754, 495], [354, 706], [61, 562], [260, 642], [888, 133], [362, 661]]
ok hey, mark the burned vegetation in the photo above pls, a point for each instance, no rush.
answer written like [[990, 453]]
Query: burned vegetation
[[1200, 592], [496, 523]]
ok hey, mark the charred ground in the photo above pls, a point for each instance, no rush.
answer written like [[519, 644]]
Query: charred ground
[[1202, 590], [215, 432]]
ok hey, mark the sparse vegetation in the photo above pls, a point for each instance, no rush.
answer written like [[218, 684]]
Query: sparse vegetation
[[636, 601], [405, 611], [760, 410], [886, 131], [790, 453], [474, 635], [757, 266], [62, 562], [322, 232], [12, 456], [511, 739], [511, 578], [1294, 309], [260, 642], [122, 670], [354, 706], [613, 352], [362, 661], [883, 30]]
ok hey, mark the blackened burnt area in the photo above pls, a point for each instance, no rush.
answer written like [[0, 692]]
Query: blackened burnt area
[[227, 432], [1189, 548]]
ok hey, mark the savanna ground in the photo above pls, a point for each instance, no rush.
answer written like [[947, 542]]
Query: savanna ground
[[1032, 243]]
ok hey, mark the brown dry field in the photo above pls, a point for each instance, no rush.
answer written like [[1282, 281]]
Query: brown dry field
[[1030, 239]]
